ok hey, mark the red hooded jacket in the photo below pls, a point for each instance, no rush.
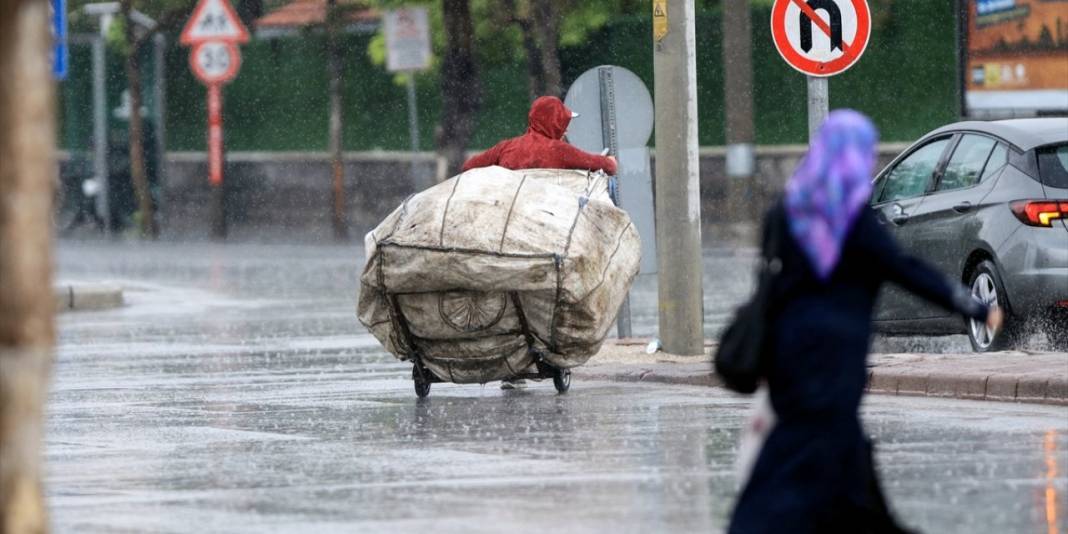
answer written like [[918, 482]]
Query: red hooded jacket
[[542, 146]]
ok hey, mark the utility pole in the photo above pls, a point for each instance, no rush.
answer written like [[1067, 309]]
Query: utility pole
[[27, 332], [738, 96], [678, 203]]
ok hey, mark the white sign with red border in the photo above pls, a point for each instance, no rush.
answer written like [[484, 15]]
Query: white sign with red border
[[215, 62], [407, 39], [214, 20], [821, 37]]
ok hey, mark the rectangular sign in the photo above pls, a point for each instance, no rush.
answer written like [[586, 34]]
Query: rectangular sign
[[407, 39], [60, 53], [1016, 57]]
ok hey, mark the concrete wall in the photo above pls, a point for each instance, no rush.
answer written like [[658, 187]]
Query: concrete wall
[[288, 195]]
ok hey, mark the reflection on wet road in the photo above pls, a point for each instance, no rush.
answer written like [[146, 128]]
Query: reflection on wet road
[[237, 393]]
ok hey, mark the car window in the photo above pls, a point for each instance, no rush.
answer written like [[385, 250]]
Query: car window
[[966, 164], [1053, 166], [998, 159], [910, 176]]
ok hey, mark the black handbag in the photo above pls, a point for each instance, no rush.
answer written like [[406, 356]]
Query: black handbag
[[742, 356]]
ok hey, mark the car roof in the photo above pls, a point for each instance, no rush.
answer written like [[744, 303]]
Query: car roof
[[1024, 133]]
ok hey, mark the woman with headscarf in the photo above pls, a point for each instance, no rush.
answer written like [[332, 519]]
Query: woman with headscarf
[[814, 472], [542, 146]]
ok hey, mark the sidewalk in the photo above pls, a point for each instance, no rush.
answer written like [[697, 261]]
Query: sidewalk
[[86, 296], [1001, 376]]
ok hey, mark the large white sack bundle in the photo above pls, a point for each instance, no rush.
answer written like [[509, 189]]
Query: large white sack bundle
[[471, 273]]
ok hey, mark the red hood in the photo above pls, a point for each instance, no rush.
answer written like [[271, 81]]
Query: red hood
[[549, 117]]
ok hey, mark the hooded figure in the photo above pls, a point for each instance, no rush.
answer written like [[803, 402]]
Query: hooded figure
[[542, 147], [815, 472]]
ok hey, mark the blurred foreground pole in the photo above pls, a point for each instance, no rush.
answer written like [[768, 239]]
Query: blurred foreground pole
[[818, 104], [337, 165], [27, 175], [738, 96], [678, 203]]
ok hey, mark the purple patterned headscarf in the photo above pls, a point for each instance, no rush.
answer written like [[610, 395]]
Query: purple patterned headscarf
[[830, 186]]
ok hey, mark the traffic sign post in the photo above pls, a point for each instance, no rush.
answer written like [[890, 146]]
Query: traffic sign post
[[598, 96], [820, 38], [408, 50], [213, 33]]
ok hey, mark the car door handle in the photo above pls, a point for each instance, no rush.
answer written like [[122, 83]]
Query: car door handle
[[963, 207], [900, 219]]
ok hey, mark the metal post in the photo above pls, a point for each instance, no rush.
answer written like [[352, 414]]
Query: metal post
[[159, 94], [678, 207], [100, 134], [216, 162], [413, 125], [818, 104], [610, 140]]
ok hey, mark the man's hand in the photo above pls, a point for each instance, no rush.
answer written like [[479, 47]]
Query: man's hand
[[615, 164]]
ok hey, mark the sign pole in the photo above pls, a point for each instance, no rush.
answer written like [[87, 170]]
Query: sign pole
[[215, 162], [678, 202], [413, 125], [610, 140], [100, 134], [818, 104], [213, 32]]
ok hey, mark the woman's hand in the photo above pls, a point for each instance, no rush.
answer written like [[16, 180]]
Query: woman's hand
[[995, 318]]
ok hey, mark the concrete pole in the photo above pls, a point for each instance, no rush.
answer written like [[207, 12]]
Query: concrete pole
[[678, 204], [738, 96], [818, 104], [28, 174]]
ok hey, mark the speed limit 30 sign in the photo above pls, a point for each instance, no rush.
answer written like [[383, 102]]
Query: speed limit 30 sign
[[821, 37], [215, 62]]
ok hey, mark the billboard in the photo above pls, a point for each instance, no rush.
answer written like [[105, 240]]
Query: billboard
[[1016, 58]]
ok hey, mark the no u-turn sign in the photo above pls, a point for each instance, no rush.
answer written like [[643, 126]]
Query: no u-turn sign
[[821, 37]]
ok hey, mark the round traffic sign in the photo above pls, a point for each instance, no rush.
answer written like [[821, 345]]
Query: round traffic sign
[[821, 37], [617, 89], [215, 62]]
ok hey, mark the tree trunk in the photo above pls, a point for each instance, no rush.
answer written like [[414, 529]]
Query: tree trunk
[[27, 181], [460, 87], [337, 165], [531, 47], [137, 128], [547, 28], [738, 97]]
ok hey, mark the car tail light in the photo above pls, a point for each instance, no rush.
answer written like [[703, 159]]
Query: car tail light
[[1040, 212]]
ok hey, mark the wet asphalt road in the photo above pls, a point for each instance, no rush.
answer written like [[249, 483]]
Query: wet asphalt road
[[237, 393]]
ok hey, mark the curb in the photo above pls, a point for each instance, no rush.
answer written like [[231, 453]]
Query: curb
[[73, 297], [1027, 388], [1031, 378]]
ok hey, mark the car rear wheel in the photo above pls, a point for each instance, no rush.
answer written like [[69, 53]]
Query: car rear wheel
[[986, 286]]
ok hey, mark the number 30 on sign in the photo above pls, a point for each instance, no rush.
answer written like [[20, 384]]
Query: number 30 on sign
[[215, 62]]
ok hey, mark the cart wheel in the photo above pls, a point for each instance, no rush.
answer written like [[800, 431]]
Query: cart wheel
[[422, 386], [562, 380]]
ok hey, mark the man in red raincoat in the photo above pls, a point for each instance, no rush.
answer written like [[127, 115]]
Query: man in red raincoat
[[543, 147]]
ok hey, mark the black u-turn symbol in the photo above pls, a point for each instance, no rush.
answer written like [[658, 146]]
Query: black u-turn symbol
[[836, 24]]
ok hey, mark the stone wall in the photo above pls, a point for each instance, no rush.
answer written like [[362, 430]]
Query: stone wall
[[287, 195]]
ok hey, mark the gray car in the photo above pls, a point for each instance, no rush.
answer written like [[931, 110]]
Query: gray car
[[987, 203]]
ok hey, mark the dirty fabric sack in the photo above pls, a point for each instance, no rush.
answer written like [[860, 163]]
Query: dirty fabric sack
[[473, 272]]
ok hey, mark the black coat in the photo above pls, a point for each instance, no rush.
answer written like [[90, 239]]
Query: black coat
[[814, 472]]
